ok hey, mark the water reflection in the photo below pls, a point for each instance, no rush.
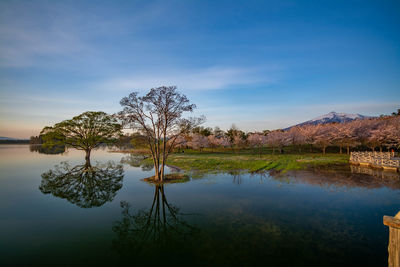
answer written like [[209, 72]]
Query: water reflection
[[84, 185], [378, 173], [342, 178], [236, 177], [160, 227], [53, 150], [136, 160]]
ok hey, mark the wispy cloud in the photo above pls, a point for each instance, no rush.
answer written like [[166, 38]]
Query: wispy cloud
[[32, 33], [211, 78]]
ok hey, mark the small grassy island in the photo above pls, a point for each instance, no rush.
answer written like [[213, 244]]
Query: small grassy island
[[169, 179]]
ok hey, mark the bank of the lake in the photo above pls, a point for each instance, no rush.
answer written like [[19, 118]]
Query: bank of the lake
[[226, 161]]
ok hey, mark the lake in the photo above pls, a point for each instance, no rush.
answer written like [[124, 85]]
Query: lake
[[53, 213]]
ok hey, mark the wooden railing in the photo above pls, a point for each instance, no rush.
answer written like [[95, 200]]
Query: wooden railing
[[376, 159], [394, 239]]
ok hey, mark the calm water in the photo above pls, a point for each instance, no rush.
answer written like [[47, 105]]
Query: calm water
[[52, 214]]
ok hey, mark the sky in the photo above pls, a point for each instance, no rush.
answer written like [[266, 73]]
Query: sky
[[257, 64]]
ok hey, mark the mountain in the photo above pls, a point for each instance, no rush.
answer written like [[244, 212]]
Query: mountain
[[7, 138], [331, 117]]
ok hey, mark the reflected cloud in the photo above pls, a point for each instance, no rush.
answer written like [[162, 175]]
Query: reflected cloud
[[84, 185]]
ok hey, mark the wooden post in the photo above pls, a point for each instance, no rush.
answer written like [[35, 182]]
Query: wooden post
[[394, 239]]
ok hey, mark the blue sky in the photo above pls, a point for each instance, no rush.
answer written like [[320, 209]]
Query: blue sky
[[258, 64]]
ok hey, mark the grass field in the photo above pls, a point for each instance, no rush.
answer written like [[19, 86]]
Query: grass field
[[249, 160]]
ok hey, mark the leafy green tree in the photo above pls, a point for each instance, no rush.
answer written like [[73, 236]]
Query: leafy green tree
[[139, 141], [84, 132]]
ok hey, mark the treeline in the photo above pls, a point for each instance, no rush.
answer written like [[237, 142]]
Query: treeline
[[19, 141], [374, 133], [36, 140]]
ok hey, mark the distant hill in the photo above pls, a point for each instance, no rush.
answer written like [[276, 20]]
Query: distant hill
[[7, 138], [11, 140], [331, 117]]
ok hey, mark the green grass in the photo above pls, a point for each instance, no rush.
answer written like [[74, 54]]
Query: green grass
[[172, 178], [195, 161]]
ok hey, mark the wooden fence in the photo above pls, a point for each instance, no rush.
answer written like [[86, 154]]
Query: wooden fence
[[394, 239], [386, 160]]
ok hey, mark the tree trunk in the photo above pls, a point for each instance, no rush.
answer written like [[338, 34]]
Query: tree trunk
[[348, 150], [87, 156], [340, 148], [156, 170], [311, 148], [323, 150], [162, 172], [380, 149]]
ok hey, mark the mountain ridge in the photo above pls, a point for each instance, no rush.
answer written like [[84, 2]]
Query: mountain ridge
[[330, 118], [11, 138]]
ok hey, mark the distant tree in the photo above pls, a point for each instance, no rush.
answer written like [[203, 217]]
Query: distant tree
[[34, 140], [257, 140], [218, 141], [202, 131], [365, 132], [393, 138], [277, 139], [218, 133], [158, 116], [397, 113], [236, 137], [309, 133], [83, 132], [181, 142], [295, 137], [198, 141], [266, 132], [139, 141], [323, 136], [344, 135]]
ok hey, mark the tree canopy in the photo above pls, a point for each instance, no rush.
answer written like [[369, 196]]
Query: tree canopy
[[84, 132]]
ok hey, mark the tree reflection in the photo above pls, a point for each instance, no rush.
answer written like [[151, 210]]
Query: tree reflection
[[346, 177], [160, 227], [138, 161], [84, 185], [53, 150], [236, 176]]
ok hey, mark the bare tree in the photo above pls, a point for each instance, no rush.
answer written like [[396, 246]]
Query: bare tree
[[158, 116]]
